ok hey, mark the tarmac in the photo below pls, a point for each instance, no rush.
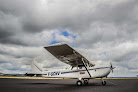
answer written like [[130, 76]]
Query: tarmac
[[67, 85]]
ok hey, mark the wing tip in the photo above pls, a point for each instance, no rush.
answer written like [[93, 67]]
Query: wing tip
[[56, 44]]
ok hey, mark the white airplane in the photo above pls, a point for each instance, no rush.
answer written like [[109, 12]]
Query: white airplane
[[81, 68]]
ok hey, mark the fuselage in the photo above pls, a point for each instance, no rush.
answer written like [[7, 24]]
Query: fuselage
[[78, 73]]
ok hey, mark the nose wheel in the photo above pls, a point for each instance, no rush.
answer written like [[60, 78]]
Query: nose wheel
[[103, 82]]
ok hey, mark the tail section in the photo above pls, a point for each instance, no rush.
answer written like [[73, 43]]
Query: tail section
[[35, 67]]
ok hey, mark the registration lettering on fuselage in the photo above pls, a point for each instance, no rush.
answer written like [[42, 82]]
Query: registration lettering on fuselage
[[53, 73]]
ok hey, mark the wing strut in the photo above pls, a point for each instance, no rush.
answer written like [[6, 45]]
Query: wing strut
[[85, 67]]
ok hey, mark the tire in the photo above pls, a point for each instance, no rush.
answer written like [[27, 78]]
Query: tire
[[79, 83], [103, 82], [86, 82]]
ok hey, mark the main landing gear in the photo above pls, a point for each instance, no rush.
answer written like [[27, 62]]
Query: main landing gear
[[86, 82], [79, 82]]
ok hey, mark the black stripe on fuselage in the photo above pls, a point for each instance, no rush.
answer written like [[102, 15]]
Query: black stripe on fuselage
[[83, 70]]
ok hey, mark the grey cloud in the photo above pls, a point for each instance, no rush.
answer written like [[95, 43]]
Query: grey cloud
[[55, 15], [20, 51], [4, 33], [39, 18], [118, 14], [127, 57], [100, 27]]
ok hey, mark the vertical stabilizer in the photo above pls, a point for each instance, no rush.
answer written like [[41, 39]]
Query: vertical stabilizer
[[35, 67]]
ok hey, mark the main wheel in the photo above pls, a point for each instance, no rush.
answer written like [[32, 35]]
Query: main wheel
[[79, 83], [85, 82], [103, 82]]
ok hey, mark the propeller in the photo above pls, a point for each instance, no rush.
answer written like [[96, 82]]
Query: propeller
[[111, 67]]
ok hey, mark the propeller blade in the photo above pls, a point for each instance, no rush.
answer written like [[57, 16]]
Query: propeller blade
[[111, 67]]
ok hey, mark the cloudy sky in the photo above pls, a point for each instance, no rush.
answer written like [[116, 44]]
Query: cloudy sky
[[102, 30]]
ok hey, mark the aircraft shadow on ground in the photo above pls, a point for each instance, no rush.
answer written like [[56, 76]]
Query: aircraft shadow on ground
[[90, 84]]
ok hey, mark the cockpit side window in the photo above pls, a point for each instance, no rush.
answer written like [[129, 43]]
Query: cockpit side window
[[80, 67]]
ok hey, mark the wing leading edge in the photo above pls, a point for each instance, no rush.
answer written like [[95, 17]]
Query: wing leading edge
[[68, 55]]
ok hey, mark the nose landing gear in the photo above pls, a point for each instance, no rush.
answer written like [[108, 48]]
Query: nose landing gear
[[103, 82]]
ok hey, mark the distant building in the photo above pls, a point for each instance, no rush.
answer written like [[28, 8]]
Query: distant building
[[1, 74]]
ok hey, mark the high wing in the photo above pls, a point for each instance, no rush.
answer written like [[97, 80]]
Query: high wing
[[68, 55]]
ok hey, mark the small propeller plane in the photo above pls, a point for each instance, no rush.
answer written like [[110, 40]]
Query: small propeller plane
[[81, 69]]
